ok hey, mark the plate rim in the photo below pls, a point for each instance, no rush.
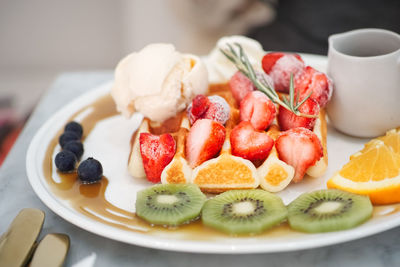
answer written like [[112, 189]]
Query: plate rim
[[67, 213]]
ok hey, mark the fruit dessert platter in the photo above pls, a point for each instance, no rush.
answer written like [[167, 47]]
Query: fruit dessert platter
[[243, 134], [215, 144], [239, 136]]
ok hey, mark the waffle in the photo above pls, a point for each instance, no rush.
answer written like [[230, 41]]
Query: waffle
[[225, 171]]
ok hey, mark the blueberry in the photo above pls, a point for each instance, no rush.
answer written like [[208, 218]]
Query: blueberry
[[75, 127], [66, 137], [90, 171], [75, 147], [65, 161]]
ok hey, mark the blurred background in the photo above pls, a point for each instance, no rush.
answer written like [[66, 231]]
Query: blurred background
[[40, 39]]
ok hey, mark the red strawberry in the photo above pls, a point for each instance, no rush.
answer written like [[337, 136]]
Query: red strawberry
[[288, 120], [269, 60], [315, 82], [219, 109], [240, 86], [200, 105], [279, 66], [157, 152], [213, 107], [258, 109], [248, 143], [300, 148], [204, 141]]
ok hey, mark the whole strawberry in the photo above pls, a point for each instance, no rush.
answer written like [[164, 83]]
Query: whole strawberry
[[279, 66], [240, 86], [198, 107], [315, 83], [213, 107]]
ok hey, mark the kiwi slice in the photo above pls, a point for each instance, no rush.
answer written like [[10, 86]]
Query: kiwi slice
[[170, 204], [244, 211], [328, 210]]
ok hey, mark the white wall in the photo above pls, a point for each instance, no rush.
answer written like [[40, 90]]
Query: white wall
[[41, 38], [150, 21], [49, 34], [75, 34]]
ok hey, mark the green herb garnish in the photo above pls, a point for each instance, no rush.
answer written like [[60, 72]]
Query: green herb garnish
[[242, 63]]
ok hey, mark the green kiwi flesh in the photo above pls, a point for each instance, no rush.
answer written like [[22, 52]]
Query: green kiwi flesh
[[170, 204], [244, 211], [328, 210]]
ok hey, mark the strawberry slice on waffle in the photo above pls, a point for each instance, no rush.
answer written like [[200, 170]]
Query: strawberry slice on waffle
[[248, 143], [288, 120], [258, 109], [157, 152], [204, 141], [300, 148]]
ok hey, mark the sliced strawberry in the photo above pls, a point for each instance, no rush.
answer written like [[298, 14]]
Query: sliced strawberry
[[157, 152], [300, 148], [288, 120], [248, 143], [258, 109], [204, 141], [240, 86], [279, 66], [316, 83], [213, 107]]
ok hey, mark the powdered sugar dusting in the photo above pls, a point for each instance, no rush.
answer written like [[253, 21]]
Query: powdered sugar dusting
[[315, 82], [219, 109], [280, 72]]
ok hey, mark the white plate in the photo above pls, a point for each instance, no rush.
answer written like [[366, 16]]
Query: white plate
[[122, 188]]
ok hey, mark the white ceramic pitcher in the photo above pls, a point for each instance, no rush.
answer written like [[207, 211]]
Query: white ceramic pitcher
[[365, 68]]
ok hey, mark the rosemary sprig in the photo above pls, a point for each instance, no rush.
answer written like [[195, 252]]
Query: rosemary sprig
[[242, 63]]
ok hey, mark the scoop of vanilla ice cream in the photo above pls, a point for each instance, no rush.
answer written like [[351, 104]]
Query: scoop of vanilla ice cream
[[158, 82], [220, 69]]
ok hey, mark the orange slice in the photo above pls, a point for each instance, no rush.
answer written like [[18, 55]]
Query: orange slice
[[391, 139], [374, 171]]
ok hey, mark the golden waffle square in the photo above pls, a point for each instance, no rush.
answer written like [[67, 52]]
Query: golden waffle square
[[225, 171]]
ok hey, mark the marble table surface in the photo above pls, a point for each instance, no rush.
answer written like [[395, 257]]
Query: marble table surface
[[88, 249]]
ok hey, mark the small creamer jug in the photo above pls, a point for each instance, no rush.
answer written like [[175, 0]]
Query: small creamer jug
[[365, 68]]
